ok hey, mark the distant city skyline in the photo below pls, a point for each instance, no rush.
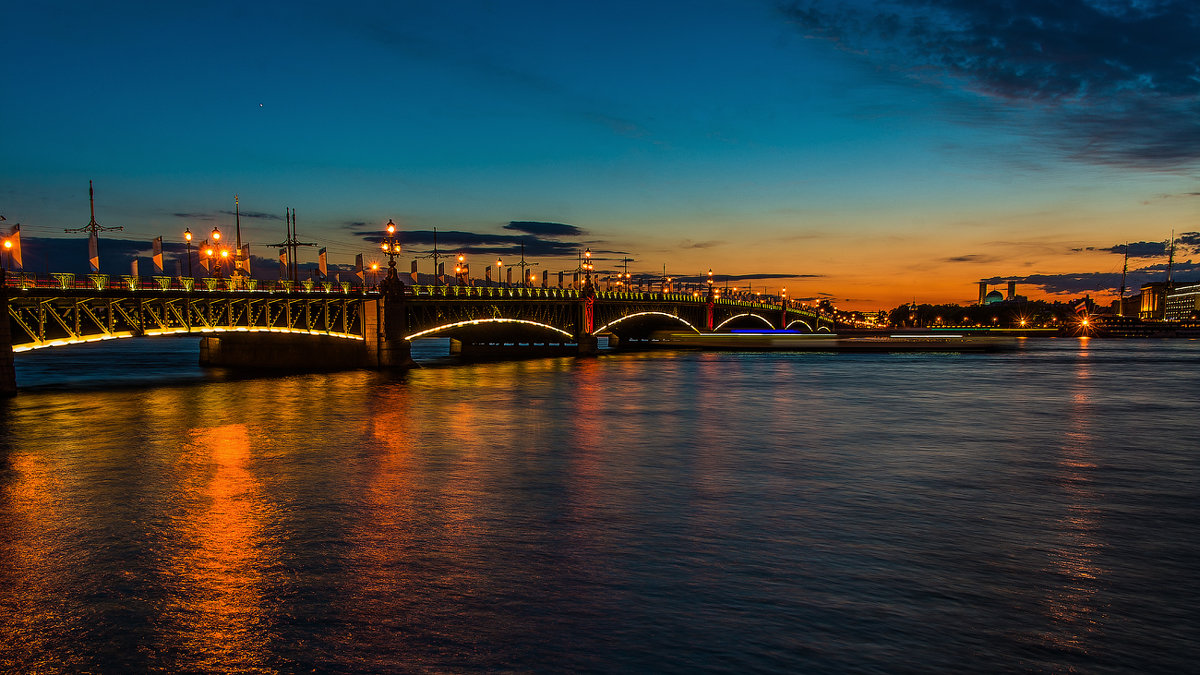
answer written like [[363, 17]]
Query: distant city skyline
[[869, 153]]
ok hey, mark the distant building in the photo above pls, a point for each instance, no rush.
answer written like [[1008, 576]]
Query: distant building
[[1154, 296], [993, 297], [996, 297], [1182, 301], [1129, 306]]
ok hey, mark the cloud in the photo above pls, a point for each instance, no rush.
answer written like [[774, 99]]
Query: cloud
[[1105, 81], [472, 243], [688, 243], [1185, 243], [544, 229], [1103, 282], [252, 215], [1140, 249], [971, 258], [259, 215], [1191, 240], [43, 255], [721, 278]]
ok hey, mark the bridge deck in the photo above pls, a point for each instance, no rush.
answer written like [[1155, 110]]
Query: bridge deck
[[62, 309]]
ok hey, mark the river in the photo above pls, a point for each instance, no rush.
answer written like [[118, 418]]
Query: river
[[669, 512]]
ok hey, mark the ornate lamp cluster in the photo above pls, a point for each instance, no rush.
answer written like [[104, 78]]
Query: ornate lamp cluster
[[216, 252], [391, 247], [213, 250]]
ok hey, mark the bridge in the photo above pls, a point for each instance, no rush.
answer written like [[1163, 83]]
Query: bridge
[[244, 322]]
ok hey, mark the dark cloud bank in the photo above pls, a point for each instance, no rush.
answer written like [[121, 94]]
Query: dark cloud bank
[[539, 239], [1107, 81], [1187, 244]]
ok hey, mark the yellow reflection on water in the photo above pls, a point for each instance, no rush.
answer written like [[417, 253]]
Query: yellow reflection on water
[[30, 572], [215, 617], [1071, 605]]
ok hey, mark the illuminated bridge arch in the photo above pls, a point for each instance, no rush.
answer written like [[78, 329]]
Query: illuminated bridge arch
[[744, 316], [474, 323], [672, 319], [199, 332], [41, 318], [802, 322]]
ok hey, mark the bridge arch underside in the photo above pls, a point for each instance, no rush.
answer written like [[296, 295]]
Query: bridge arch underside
[[745, 321], [503, 338], [257, 333], [807, 323], [643, 325], [41, 323]]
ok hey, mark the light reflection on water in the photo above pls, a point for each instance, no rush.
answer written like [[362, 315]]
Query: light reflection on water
[[217, 556], [675, 512]]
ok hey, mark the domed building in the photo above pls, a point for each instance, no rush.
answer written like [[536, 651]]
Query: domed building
[[995, 297]]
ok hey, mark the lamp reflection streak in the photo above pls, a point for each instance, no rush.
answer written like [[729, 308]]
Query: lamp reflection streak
[[215, 617], [32, 605], [1072, 606]]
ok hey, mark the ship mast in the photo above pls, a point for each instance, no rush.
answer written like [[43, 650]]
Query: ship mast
[[93, 227], [291, 244], [1124, 270], [237, 256], [1170, 258]]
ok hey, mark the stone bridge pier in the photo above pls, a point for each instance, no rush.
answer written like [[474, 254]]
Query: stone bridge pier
[[385, 323], [588, 343]]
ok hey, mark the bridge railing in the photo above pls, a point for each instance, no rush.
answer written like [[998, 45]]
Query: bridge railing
[[497, 292], [519, 292], [104, 282]]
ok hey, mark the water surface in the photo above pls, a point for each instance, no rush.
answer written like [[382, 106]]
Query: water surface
[[675, 512]]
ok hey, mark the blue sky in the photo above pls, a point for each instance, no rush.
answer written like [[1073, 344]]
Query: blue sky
[[870, 152]]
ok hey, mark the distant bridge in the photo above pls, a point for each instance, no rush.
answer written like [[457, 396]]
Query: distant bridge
[[251, 323]]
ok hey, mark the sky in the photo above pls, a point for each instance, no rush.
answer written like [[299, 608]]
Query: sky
[[872, 153]]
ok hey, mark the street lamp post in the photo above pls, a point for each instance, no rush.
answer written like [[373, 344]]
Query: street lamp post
[[209, 253], [391, 247], [461, 270], [587, 267], [187, 238], [217, 255]]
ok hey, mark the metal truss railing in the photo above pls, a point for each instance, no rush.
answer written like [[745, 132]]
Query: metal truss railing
[[43, 319], [60, 310]]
